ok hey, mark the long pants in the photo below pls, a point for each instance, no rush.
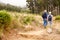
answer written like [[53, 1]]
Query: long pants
[[50, 23], [45, 22]]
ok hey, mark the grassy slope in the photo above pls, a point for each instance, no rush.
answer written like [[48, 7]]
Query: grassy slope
[[31, 31]]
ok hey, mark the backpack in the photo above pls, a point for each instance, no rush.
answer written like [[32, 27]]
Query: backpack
[[49, 18]]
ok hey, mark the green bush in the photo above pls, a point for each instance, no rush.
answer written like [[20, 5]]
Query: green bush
[[28, 19], [5, 20], [57, 18]]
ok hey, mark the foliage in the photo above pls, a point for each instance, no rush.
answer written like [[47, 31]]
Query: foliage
[[28, 19], [5, 20], [9, 7], [57, 18], [36, 6]]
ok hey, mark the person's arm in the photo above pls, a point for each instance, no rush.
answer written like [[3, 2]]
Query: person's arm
[[52, 17], [47, 17]]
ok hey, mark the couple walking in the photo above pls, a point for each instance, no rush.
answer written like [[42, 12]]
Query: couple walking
[[47, 18]]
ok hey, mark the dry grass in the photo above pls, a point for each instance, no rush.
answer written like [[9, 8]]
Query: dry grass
[[33, 31]]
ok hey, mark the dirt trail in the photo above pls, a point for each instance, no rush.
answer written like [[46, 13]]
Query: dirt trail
[[41, 34]]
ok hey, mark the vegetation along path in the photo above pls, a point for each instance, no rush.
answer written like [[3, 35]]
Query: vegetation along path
[[41, 34]]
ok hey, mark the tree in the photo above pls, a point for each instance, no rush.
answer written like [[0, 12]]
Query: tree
[[36, 6], [9, 7]]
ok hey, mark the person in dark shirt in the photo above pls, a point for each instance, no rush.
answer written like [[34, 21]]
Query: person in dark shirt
[[44, 16]]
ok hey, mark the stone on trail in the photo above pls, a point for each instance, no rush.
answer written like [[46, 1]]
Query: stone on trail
[[49, 30]]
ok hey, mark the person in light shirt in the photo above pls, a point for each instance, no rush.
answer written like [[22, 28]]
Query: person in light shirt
[[50, 18]]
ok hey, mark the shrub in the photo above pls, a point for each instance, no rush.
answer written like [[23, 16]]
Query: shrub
[[28, 19], [57, 18], [5, 20]]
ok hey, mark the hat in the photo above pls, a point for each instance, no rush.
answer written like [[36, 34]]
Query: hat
[[45, 10], [49, 12]]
